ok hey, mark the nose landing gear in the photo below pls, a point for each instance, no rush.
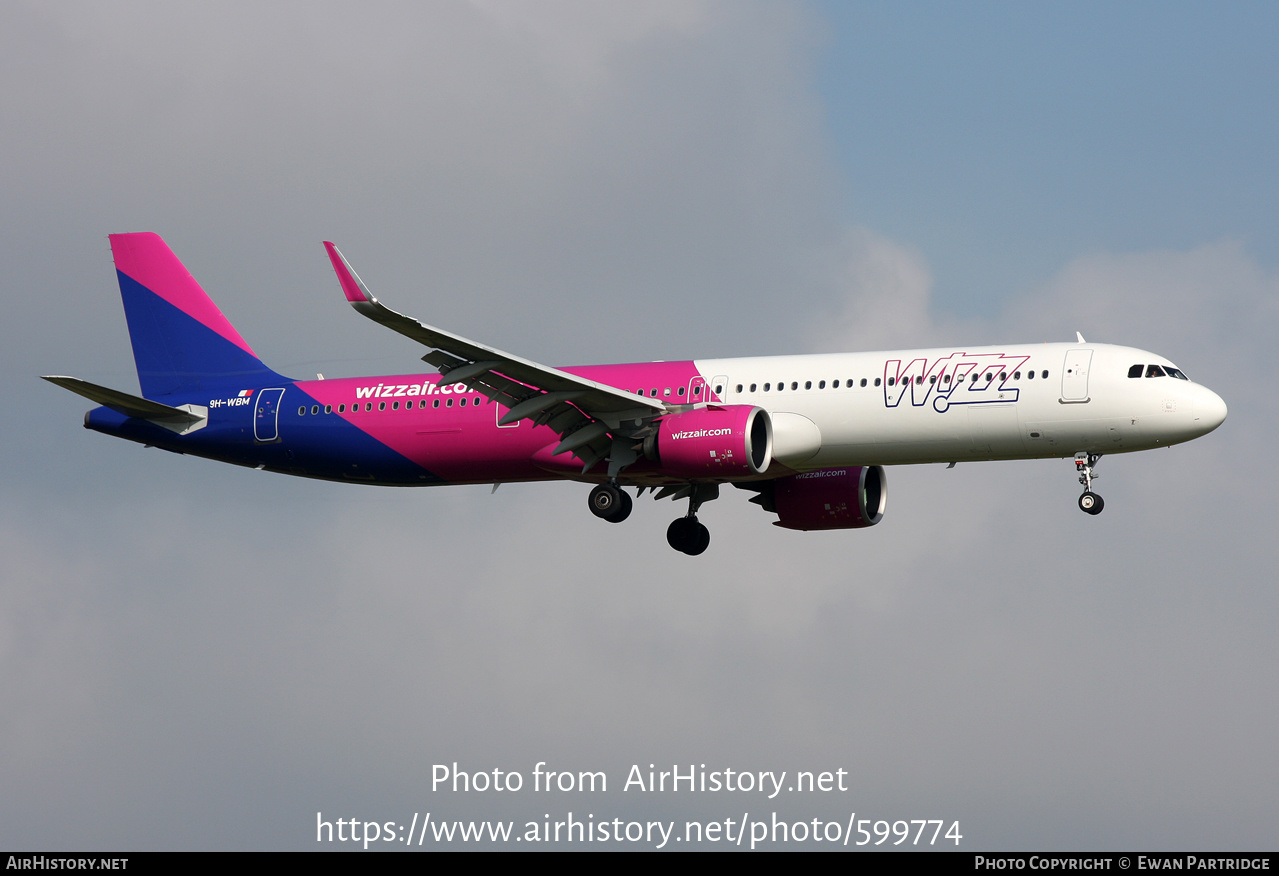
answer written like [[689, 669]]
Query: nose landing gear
[[1089, 502]]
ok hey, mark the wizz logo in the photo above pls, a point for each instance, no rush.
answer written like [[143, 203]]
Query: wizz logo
[[957, 379]]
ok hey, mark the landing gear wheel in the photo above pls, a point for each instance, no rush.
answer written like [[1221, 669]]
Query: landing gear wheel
[[688, 536], [701, 540], [611, 503], [1091, 503]]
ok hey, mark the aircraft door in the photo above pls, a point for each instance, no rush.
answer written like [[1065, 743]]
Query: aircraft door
[[719, 387], [266, 416], [1074, 376], [697, 390]]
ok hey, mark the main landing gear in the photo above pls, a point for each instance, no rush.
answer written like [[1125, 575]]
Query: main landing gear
[[610, 502], [686, 534], [1089, 502]]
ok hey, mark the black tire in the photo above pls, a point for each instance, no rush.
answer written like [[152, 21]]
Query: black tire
[[623, 509], [605, 500], [679, 533], [699, 541], [688, 536], [1091, 503]]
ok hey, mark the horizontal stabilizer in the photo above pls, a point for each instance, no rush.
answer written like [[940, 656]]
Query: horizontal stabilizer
[[184, 419]]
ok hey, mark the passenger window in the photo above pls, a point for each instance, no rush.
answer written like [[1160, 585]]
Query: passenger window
[[341, 409], [395, 406], [850, 383], [435, 403], [1030, 375], [892, 381], [794, 384], [739, 389], [1044, 375], [1016, 375], [719, 388], [1135, 371], [822, 385], [328, 409], [877, 381], [752, 387], [681, 391], [381, 406], [780, 386], [462, 403], [302, 411], [449, 403], [919, 381]]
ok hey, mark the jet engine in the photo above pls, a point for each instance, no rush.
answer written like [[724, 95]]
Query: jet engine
[[832, 498], [718, 441]]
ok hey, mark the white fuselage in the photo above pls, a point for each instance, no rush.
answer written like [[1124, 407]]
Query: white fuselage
[[951, 404]]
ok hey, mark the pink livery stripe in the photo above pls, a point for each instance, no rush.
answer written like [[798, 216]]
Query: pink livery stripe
[[351, 286], [147, 259]]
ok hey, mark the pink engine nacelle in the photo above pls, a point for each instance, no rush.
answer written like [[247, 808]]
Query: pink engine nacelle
[[833, 498], [718, 441]]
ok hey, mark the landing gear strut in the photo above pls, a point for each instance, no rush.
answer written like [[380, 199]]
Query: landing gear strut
[[687, 534], [610, 502], [1089, 502]]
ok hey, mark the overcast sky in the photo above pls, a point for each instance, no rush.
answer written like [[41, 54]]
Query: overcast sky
[[197, 656]]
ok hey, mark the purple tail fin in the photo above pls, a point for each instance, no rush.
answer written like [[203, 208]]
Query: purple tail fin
[[181, 341]]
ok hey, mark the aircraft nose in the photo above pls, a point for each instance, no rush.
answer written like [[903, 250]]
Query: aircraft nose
[[1210, 410]]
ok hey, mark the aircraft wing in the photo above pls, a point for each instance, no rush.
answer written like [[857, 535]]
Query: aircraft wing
[[582, 411]]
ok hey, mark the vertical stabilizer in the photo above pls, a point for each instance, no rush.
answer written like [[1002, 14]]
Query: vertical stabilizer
[[181, 341]]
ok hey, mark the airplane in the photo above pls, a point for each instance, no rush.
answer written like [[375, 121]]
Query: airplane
[[809, 435]]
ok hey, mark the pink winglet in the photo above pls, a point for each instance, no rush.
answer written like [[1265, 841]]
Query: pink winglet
[[351, 284], [147, 259]]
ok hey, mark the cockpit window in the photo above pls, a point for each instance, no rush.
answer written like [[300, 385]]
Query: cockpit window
[[1176, 372], [1154, 371], [1135, 371]]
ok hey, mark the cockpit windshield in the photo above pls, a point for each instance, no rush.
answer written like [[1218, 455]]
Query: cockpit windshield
[[1156, 371]]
